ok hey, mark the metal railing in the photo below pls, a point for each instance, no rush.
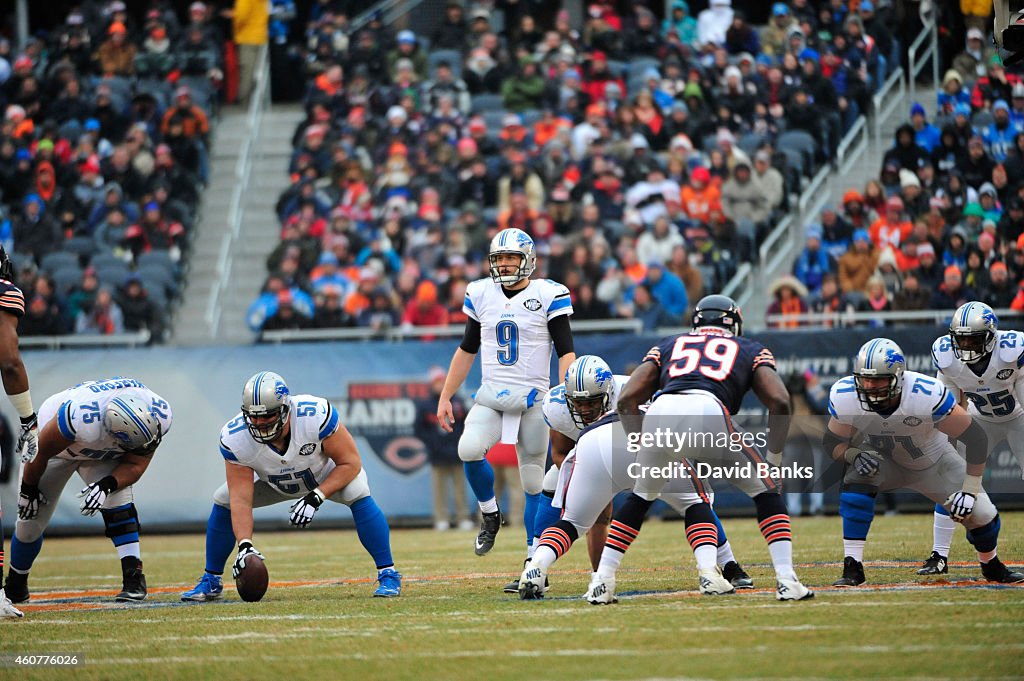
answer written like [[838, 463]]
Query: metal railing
[[119, 340], [883, 103], [390, 11], [841, 318], [853, 146], [402, 333], [740, 288], [258, 104], [917, 62]]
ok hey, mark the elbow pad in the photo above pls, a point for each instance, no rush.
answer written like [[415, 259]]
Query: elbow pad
[[976, 443], [830, 441]]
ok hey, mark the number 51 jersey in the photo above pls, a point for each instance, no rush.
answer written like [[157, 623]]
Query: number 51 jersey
[[312, 420], [710, 360], [992, 395]]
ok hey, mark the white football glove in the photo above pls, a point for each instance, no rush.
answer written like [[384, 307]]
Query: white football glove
[[29, 501], [245, 549], [28, 439], [960, 505], [93, 496], [305, 508], [865, 461]]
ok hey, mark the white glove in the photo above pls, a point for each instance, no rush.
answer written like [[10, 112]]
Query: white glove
[[28, 439], [865, 461], [305, 508], [245, 549], [29, 501], [960, 505], [93, 496]]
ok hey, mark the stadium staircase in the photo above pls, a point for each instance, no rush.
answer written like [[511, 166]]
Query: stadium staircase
[[239, 227]]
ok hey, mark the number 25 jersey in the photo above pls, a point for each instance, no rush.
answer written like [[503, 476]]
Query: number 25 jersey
[[993, 395], [710, 360]]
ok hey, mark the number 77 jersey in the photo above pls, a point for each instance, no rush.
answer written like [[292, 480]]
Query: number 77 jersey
[[712, 361], [992, 393]]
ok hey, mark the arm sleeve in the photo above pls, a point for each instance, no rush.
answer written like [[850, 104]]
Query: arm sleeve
[[561, 334], [471, 337]]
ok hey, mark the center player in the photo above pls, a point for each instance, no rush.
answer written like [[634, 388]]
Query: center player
[[515, 321], [977, 361], [697, 381], [597, 469]]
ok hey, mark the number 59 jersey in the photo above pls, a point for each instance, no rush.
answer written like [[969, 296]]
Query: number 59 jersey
[[992, 395], [908, 435], [312, 420], [79, 414], [712, 361]]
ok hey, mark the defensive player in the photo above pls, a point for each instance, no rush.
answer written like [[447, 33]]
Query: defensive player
[[283, 446], [15, 379], [568, 408], [978, 362], [697, 381], [107, 431], [514, 321], [597, 469], [902, 422]]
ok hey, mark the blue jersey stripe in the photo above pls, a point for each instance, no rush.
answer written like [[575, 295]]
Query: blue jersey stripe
[[64, 421], [227, 453], [330, 424], [468, 302], [944, 407], [832, 409], [559, 304]]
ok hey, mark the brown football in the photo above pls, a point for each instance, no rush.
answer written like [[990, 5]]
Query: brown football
[[253, 580]]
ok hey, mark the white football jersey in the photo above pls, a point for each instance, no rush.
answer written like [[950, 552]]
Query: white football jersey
[[515, 345], [79, 413], [556, 409], [992, 396], [908, 436], [303, 465]]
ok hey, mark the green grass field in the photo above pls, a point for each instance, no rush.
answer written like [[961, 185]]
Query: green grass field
[[453, 622]]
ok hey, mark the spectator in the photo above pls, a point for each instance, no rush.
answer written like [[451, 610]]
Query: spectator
[[891, 229], [814, 262], [743, 199], [680, 21], [42, 318], [774, 35], [952, 93], [424, 310], [700, 195], [1001, 291], [443, 453], [35, 231], [286, 317], [770, 180], [452, 33], [926, 135], [905, 152], [408, 48], [951, 293], [116, 56], [713, 23], [329, 313], [679, 264], [657, 243], [970, 63], [139, 311], [830, 301], [648, 310], [789, 299], [836, 233], [250, 21], [667, 289], [876, 299], [103, 317], [913, 294], [380, 315], [858, 264]]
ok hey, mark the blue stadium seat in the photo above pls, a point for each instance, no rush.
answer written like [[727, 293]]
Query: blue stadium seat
[[66, 279], [486, 102], [453, 57], [158, 258], [51, 262]]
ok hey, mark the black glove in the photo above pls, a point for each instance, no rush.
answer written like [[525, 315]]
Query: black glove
[[96, 493], [29, 501]]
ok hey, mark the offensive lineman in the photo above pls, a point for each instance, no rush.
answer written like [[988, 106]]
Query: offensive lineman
[[515, 321], [597, 469], [697, 381], [107, 431], [281, 447], [977, 361], [903, 419]]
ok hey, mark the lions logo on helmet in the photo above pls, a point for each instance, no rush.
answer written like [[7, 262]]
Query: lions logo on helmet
[[515, 242], [588, 387], [265, 397], [131, 422], [880, 358], [972, 332], [720, 312]]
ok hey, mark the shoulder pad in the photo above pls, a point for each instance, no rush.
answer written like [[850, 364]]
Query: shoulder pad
[[942, 353], [1010, 346]]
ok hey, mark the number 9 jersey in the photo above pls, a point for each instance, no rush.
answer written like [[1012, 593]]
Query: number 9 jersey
[[710, 360], [312, 420], [992, 395]]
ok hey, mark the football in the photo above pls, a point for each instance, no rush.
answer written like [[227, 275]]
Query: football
[[253, 580]]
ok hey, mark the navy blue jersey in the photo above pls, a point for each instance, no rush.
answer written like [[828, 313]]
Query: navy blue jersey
[[12, 300], [720, 364]]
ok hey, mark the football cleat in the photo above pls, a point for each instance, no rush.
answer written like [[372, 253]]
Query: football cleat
[[513, 586], [712, 583], [934, 565], [209, 588], [601, 590], [995, 571], [532, 583], [133, 584], [853, 573], [7, 609], [489, 527], [16, 588], [737, 576], [791, 590], [390, 584]]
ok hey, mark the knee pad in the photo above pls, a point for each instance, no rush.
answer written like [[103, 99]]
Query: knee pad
[[358, 489], [222, 497], [985, 537], [122, 523], [473, 445], [550, 481], [857, 506], [532, 477], [983, 514]]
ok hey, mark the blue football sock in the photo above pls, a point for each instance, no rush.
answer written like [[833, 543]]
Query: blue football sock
[[547, 515], [857, 510], [721, 530], [530, 515], [23, 554], [941, 511], [374, 533], [984, 539], [220, 539], [481, 479]]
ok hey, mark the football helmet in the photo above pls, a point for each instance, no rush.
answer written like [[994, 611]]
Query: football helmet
[[265, 395], [720, 312], [6, 266], [132, 423], [588, 389], [516, 242], [879, 358], [972, 332]]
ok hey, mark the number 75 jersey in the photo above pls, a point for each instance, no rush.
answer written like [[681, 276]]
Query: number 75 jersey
[[993, 395]]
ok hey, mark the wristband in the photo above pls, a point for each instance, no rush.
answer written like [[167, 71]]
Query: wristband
[[107, 484], [774, 459], [972, 484], [851, 454], [319, 497], [245, 543], [23, 404]]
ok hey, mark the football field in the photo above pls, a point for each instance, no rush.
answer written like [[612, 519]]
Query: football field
[[453, 622]]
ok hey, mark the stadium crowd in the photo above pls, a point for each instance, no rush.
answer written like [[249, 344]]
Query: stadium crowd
[[645, 158], [943, 223], [103, 148]]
